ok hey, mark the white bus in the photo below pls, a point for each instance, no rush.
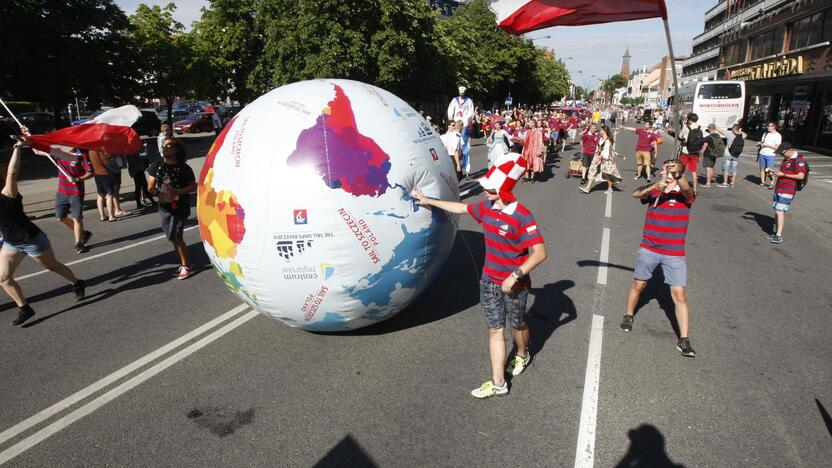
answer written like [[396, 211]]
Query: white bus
[[718, 102]]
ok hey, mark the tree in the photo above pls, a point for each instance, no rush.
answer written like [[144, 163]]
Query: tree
[[55, 50], [169, 63], [614, 82], [552, 77], [227, 35]]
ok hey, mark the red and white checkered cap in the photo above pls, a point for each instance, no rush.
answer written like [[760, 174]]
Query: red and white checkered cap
[[504, 174]]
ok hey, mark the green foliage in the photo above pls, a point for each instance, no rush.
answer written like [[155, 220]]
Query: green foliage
[[167, 59], [632, 101], [54, 47], [614, 82]]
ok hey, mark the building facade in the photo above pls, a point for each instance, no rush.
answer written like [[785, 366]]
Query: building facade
[[782, 51]]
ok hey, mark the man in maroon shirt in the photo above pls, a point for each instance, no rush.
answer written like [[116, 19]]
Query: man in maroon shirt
[[589, 143], [513, 248], [792, 171]]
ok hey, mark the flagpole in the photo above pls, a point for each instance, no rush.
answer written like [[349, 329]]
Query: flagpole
[[674, 121], [48, 156]]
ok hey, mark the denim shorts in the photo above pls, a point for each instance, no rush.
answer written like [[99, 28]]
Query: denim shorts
[[34, 247], [766, 162], [729, 164], [674, 267], [782, 201], [69, 205], [497, 305]]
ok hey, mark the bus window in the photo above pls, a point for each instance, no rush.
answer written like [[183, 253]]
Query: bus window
[[720, 91]]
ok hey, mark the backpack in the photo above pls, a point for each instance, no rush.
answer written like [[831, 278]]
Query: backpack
[[802, 183], [736, 146], [718, 147], [695, 140]]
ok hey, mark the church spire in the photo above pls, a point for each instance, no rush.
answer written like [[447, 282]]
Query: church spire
[[625, 64]]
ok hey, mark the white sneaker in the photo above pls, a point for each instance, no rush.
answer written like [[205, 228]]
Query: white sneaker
[[518, 364]]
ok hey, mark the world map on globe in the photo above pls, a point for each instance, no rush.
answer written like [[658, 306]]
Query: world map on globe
[[354, 292]]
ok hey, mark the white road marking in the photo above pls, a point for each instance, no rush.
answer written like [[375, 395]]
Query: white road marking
[[820, 165], [111, 395], [585, 452], [608, 209], [102, 254], [604, 258], [106, 381]]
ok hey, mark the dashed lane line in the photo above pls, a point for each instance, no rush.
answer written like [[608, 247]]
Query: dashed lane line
[[102, 254], [585, 452], [115, 376]]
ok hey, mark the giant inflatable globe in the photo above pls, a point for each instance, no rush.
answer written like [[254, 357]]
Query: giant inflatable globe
[[305, 211]]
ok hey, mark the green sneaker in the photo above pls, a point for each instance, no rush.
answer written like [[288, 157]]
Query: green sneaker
[[488, 389], [518, 364]]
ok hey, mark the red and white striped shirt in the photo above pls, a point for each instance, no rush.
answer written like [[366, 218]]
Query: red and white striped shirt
[[666, 224], [508, 235]]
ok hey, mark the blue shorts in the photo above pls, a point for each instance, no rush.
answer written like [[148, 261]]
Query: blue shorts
[[729, 164], [782, 201], [766, 162], [497, 305], [674, 267], [35, 247]]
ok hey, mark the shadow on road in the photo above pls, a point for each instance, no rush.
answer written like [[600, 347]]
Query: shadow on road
[[146, 273], [552, 308], [656, 289], [346, 453], [596, 263], [827, 420], [455, 289], [765, 222], [646, 450]]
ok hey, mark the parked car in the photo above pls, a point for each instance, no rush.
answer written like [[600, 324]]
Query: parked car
[[227, 113], [148, 123], [194, 123], [178, 114], [41, 122]]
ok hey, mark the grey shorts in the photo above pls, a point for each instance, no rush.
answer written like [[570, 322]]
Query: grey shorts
[[497, 305], [674, 268], [69, 205], [708, 161], [173, 224]]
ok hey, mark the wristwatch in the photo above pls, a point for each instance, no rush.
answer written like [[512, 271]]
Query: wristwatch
[[518, 273]]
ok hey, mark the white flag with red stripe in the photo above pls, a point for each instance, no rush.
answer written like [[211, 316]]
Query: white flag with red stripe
[[110, 132]]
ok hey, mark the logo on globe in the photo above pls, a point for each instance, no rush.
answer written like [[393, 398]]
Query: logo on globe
[[300, 217], [287, 249], [434, 155]]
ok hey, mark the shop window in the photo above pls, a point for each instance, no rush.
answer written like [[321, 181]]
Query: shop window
[[785, 119], [767, 43], [826, 119]]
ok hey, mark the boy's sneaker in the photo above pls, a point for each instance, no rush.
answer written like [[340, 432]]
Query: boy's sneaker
[[85, 237], [775, 239], [685, 348], [23, 314], [722, 185], [649, 180], [184, 272], [79, 288], [627, 323], [518, 364], [81, 248], [488, 390]]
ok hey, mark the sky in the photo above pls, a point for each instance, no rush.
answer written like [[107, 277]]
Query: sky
[[595, 50]]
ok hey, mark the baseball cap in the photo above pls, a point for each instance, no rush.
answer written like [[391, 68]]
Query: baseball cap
[[711, 126], [785, 146]]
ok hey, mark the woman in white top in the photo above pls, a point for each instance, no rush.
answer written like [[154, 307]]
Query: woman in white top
[[768, 145], [605, 158]]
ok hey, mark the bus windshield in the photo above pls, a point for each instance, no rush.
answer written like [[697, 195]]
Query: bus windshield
[[720, 91]]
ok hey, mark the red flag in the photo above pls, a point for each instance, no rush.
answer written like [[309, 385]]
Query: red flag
[[110, 132], [522, 16]]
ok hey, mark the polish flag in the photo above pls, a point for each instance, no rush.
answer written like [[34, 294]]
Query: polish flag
[[110, 133], [522, 16]]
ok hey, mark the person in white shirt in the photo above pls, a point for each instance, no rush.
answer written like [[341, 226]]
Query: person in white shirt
[[452, 139], [462, 108], [768, 145]]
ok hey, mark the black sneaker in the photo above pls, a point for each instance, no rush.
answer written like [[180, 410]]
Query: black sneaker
[[80, 290], [685, 348], [81, 248], [627, 323], [85, 237], [23, 314]]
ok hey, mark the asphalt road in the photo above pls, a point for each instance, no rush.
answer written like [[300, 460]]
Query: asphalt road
[[248, 391]]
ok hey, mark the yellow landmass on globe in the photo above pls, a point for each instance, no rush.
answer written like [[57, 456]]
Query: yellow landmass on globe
[[221, 218]]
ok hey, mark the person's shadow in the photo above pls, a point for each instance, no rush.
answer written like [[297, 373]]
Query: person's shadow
[[765, 222], [658, 290], [646, 450], [551, 309]]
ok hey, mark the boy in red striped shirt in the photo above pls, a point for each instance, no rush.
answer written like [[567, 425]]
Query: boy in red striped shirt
[[513, 248], [665, 227], [792, 170]]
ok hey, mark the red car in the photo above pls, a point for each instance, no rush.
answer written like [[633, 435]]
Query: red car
[[194, 123]]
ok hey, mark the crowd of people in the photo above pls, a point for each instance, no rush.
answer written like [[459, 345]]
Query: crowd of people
[[520, 141]]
